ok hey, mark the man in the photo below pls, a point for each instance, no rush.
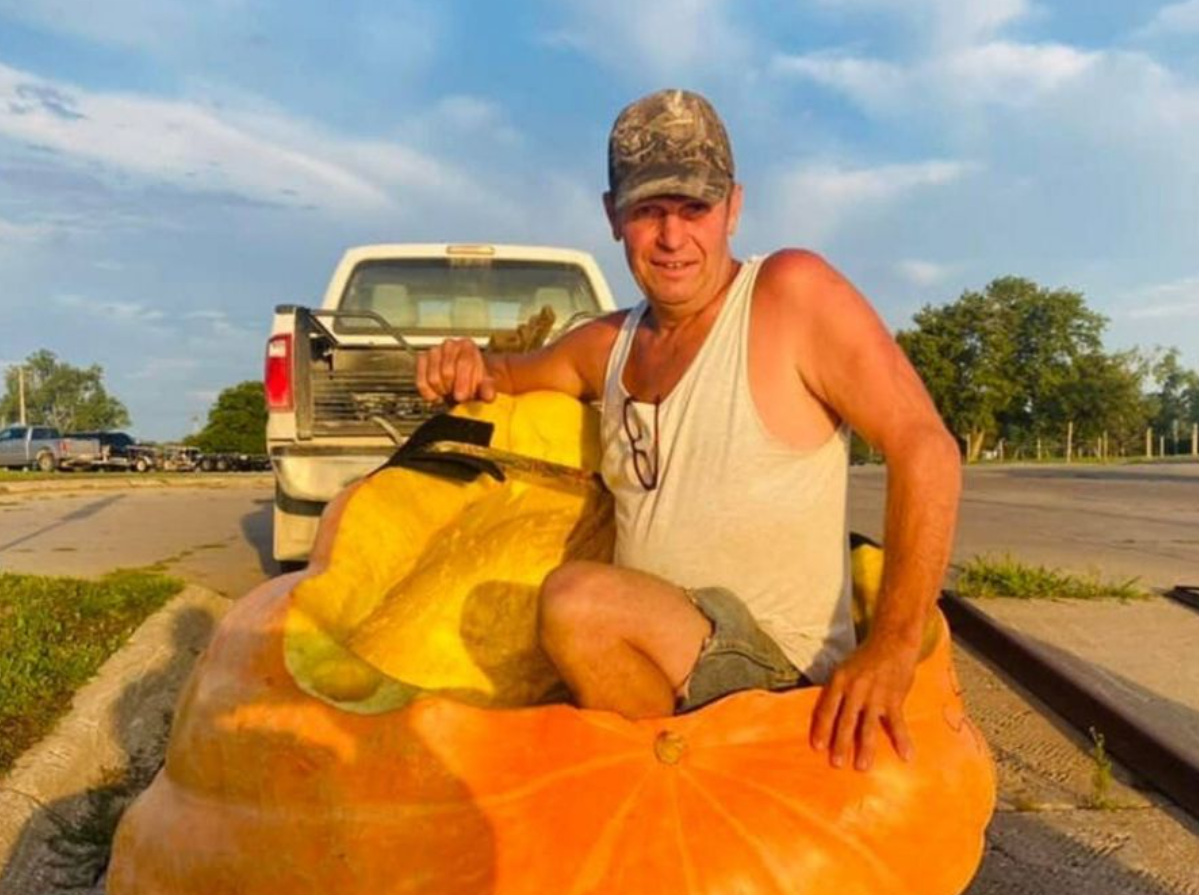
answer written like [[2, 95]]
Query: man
[[727, 401]]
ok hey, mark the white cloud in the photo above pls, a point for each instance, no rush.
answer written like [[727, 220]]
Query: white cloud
[[669, 39], [1006, 73], [113, 311], [812, 201], [923, 273], [258, 154], [165, 368], [403, 34], [460, 117], [951, 22], [833, 183], [217, 325], [1174, 19], [998, 73], [14, 235], [1175, 299], [121, 23], [469, 113], [873, 82]]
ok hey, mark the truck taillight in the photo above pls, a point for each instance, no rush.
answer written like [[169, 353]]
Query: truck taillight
[[277, 378]]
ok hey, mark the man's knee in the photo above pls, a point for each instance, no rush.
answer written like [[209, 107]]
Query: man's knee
[[571, 598]]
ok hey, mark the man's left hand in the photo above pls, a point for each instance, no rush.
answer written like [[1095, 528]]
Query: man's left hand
[[864, 696]]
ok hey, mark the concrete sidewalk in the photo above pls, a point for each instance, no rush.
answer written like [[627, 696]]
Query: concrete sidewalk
[[1141, 657]]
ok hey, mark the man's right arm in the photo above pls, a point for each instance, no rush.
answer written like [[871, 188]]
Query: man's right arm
[[574, 364]]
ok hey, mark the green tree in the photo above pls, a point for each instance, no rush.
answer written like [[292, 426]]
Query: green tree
[[1053, 336], [963, 352], [1103, 394], [1021, 362], [236, 422], [1175, 400], [70, 398]]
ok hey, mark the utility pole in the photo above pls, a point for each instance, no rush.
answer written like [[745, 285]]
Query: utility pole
[[21, 390]]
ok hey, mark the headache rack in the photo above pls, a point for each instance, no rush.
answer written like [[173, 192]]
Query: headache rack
[[341, 385]]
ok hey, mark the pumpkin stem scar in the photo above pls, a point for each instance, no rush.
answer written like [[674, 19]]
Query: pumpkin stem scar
[[669, 747]]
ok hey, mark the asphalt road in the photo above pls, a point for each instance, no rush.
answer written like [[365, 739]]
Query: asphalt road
[[1136, 521], [1121, 522], [217, 535]]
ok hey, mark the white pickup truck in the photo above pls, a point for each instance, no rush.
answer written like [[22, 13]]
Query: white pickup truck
[[338, 377]]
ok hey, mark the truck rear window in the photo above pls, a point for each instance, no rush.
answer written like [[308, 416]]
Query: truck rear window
[[464, 294]]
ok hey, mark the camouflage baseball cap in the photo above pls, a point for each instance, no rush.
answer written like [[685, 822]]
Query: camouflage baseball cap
[[670, 143]]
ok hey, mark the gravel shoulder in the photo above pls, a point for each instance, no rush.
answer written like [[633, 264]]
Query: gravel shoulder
[[1048, 835]]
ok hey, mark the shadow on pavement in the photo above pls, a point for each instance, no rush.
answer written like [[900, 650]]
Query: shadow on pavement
[[1034, 854], [85, 511], [256, 530]]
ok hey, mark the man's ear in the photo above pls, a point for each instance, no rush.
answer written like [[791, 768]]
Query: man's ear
[[734, 200], [613, 215]]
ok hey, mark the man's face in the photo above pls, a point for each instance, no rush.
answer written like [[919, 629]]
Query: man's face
[[677, 248]]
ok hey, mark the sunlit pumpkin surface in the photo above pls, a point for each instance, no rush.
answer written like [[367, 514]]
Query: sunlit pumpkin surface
[[360, 731]]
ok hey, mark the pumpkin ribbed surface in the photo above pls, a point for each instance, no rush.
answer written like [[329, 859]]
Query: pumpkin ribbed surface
[[270, 785]]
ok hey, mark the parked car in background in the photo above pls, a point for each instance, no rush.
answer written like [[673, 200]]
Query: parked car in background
[[228, 461], [119, 450], [178, 458], [45, 449]]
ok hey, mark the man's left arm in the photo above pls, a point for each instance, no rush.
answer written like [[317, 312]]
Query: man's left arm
[[849, 360]]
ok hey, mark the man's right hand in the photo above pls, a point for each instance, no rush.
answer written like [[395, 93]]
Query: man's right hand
[[454, 370]]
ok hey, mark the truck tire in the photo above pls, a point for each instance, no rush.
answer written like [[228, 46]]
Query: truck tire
[[222, 465], [206, 465], [141, 464], [45, 462]]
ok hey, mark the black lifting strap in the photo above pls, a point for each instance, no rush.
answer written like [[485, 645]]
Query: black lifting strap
[[414, 453]]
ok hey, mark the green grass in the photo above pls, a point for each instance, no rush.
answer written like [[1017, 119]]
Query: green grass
[[1101, 774], [986, 576], [54, 634]]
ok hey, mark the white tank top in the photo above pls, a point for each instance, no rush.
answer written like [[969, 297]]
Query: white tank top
[[734, 505]]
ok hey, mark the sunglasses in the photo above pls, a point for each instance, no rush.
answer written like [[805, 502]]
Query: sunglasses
[[644, 466]]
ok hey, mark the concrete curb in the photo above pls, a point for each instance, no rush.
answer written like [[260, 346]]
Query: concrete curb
[[1076, 699], [123, 711], [71, 482]]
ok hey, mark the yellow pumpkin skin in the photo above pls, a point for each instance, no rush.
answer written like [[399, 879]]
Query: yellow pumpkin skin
[[271, 787], [429, 585]]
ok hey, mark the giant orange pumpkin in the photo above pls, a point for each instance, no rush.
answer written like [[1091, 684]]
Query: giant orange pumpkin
[[298, 765]]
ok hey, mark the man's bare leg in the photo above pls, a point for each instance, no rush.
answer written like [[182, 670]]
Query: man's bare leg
[[622, 640]]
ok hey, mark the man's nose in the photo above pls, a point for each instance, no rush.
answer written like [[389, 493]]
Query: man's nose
[[671, 233]]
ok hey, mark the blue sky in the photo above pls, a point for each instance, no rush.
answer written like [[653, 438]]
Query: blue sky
[[171, 170]]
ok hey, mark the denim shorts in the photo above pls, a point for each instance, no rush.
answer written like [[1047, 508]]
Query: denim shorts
[[738, 655]]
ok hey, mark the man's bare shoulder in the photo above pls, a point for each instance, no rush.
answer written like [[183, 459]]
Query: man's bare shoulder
[[799, 289], [798, 275]]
